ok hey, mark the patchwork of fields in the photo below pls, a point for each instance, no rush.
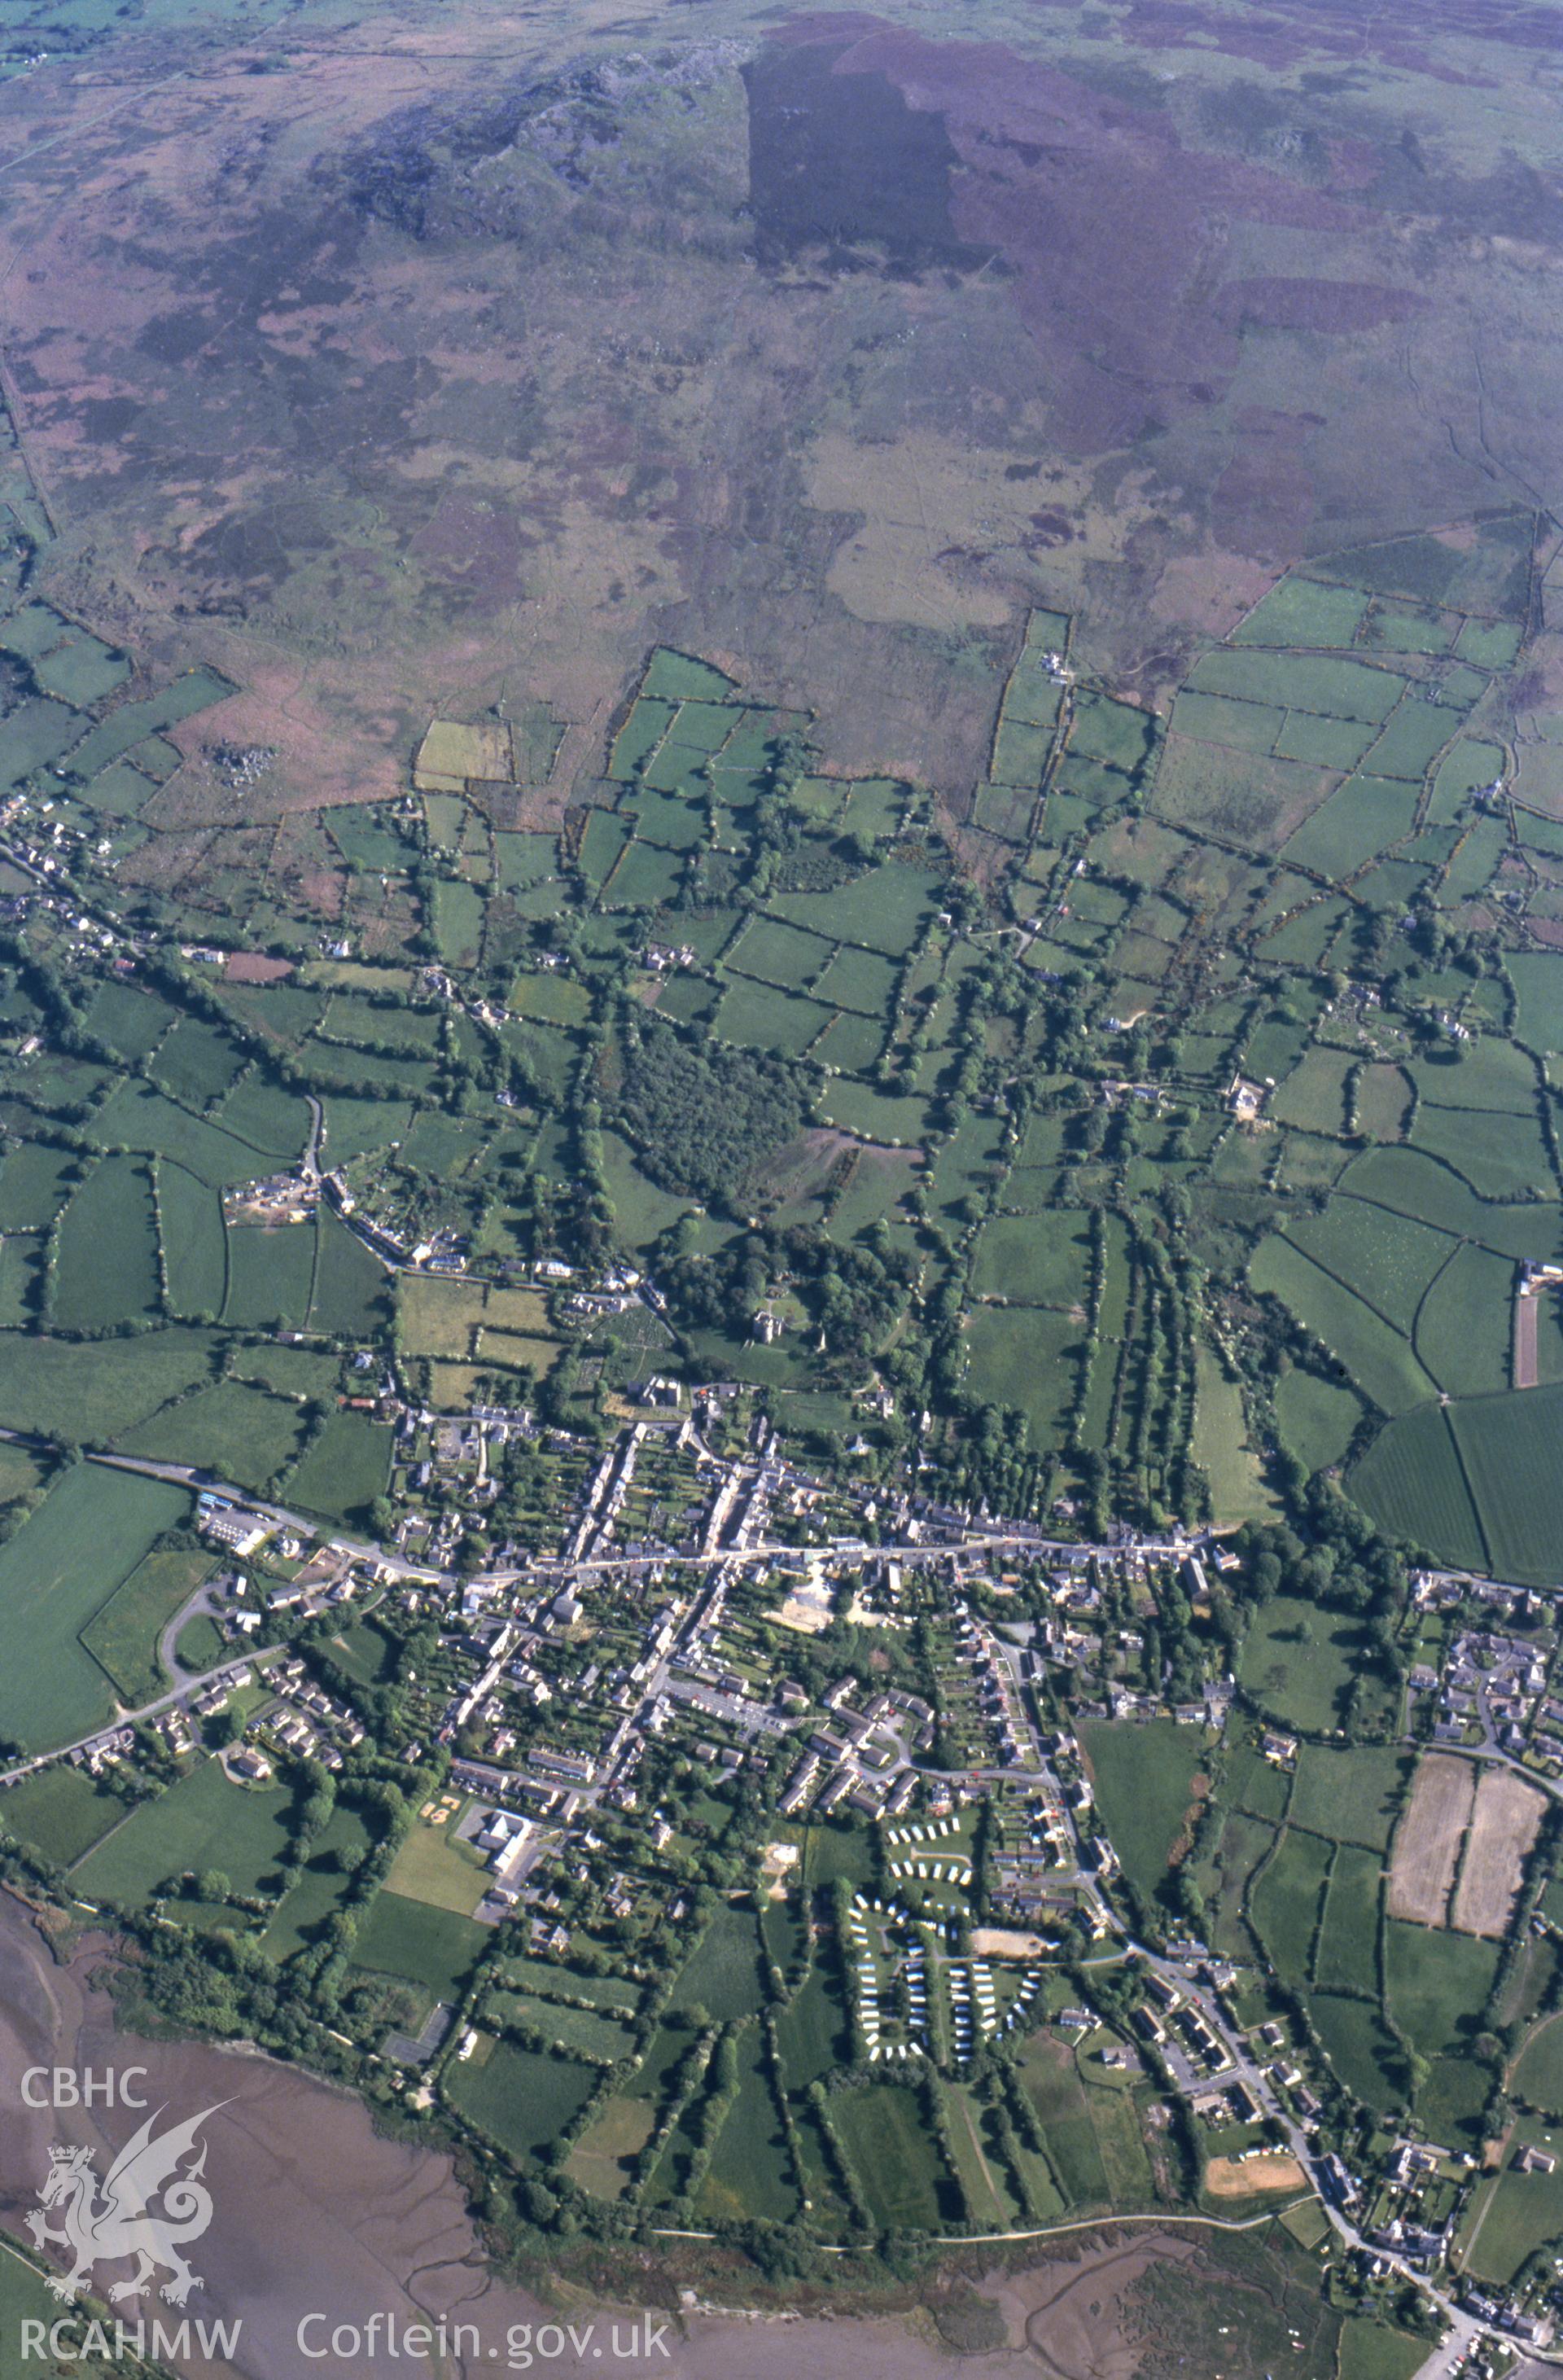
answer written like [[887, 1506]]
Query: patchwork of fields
[[956, 1057], [1374, 1886]]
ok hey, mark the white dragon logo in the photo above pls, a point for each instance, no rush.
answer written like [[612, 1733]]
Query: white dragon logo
[[103, 2222]]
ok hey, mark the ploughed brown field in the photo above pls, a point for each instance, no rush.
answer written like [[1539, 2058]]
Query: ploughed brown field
[[1503, 1827], [1428, 1838]]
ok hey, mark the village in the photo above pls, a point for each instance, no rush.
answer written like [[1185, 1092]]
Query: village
[[575, 1688]]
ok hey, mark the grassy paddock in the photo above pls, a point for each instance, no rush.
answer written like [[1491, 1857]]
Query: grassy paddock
[[1286, 1901], [123, 1637], [437, 1947], [750, 2172], [106, 1260], [345, 1469], [201, 1822], [894, 2155], [1412, 1482], [1143, 1779], [721, 1974], [1301, 1663], [60, 1811], [234, 1431], [519, 2096], [1353, 1796]]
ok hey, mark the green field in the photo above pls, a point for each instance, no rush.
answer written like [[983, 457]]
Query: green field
[[345, 1469], [1388, 1260], [885, 909], [580, 2031], [1379, 1359], [123, 1637], [304, 1910], [1500, 1156], [1286, 1901], [199, 1646], [1040, 1261], [1224, 1877], [436, 1948], [1143, 1778], [133, 722], [201, 1822], [1464, 1330], [367, 1651], [136, 1116], [520, 2097], [432, 1867], [60, 1810], [457, 922], [35, 1182], [1414, 1183], [197, 1063], [1223, 1447], [1538, 979], [750, 2174], [1347, 1956], [613, 1992], [1412, 1482], [21, 1259], [1537, 2080], [1508, 1445], [645, 877], [1094, 2147], [195, 1245], [861, 980], [779, 954], [1520, 2212], [603, 2159], [1024, 1357], [350, 1300], [91, 1530], [270, 1274], [287, 1371], [811, 2030], [895, 2157], [1316, 1416], [1438, 1985], [1313, 1095], [641, 1211], [1300, 1662], [1370, 2350], [722, 1975], [106, 1260], [1489, 1074], [235, 1432], [21, 1471], [1353, 1796], [1361, 2049]]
